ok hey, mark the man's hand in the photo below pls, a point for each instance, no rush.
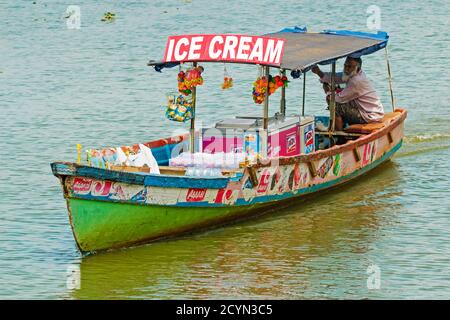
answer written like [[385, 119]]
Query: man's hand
[[317, 71]]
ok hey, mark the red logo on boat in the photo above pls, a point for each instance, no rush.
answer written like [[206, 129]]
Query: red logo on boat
[[297, 175], [309, 138], [194, 195], [82, 185], [101, 188], [325, 167], [223, 195], [367, 154], [264, 182]]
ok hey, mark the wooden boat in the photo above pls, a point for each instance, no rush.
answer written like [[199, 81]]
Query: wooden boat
[[122, 206]]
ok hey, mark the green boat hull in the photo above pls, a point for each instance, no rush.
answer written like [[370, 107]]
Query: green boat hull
[[102, 225]]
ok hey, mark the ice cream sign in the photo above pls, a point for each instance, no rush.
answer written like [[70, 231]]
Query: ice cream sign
[[227, 47]]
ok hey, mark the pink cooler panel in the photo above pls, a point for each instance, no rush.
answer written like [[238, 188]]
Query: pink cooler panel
[[285, 143]]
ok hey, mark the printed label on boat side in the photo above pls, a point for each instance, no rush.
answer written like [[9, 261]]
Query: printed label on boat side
[[224, 196], [325, 167], [374, 150], [309, 139], [82, 185], [337, 164], [368, 153], [195, 195], [101, 188], [291, 142], [141, 196], [264, 181]]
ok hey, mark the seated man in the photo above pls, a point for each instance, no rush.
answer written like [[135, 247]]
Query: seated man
[[358, 102]]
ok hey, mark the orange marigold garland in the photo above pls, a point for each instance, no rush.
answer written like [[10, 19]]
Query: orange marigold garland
[[227, 80], [227, 83], [259, 89], [190, 79], [260, 86]]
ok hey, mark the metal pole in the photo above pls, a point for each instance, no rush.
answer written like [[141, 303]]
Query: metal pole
[[390, 80], [283, 97], [266, 115], [333, 97], [192, 131], [266, 100], [304, 93]]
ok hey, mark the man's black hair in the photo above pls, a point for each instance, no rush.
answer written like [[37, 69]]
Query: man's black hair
[[358, 61]]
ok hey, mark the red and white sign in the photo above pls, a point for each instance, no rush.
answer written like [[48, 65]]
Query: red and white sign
[[195, 195], [82, 185], [309, 139], [263, 182], [224, 196], [101, 188], [367, 154], [225, 47]]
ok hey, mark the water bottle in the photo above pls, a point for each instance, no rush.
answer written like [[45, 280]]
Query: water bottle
[[197, 172]]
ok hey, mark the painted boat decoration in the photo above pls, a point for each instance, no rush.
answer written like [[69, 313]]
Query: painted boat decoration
[[115, 205]]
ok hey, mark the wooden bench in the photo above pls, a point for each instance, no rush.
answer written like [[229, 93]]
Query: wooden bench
[[339, 133], [367, 128]]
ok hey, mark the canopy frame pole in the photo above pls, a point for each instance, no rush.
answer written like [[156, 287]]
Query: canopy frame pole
[[304, 95], [283, 96], [192, 129], [266, 114], [332, 104], [390, 79]]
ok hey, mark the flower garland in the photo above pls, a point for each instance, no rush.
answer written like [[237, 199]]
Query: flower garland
[[260, 86], [259, 90], [190, 79], [227, 80], [227, 83]]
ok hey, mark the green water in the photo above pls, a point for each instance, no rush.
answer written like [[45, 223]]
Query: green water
[[59, 87]]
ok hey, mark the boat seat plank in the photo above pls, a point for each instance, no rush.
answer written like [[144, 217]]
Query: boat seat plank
[[367, 128], [339, 133]]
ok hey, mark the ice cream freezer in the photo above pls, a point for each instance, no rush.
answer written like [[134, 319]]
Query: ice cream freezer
[[286, 136]]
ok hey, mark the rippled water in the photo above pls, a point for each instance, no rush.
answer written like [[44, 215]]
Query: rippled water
[[59, 87]]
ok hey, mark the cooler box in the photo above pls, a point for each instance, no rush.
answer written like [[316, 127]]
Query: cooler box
[[228, 136], [287, 136], [287, 141]]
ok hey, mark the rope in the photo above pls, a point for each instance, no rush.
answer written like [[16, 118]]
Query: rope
[[390, 79], [332, 104], [304, 92]]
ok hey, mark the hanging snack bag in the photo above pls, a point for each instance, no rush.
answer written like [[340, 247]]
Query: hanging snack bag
[[179, 108]]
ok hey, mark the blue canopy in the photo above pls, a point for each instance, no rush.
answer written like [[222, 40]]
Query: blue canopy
[[304, 49]]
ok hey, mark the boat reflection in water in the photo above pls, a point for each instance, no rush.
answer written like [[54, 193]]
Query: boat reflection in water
[[313, 249]]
